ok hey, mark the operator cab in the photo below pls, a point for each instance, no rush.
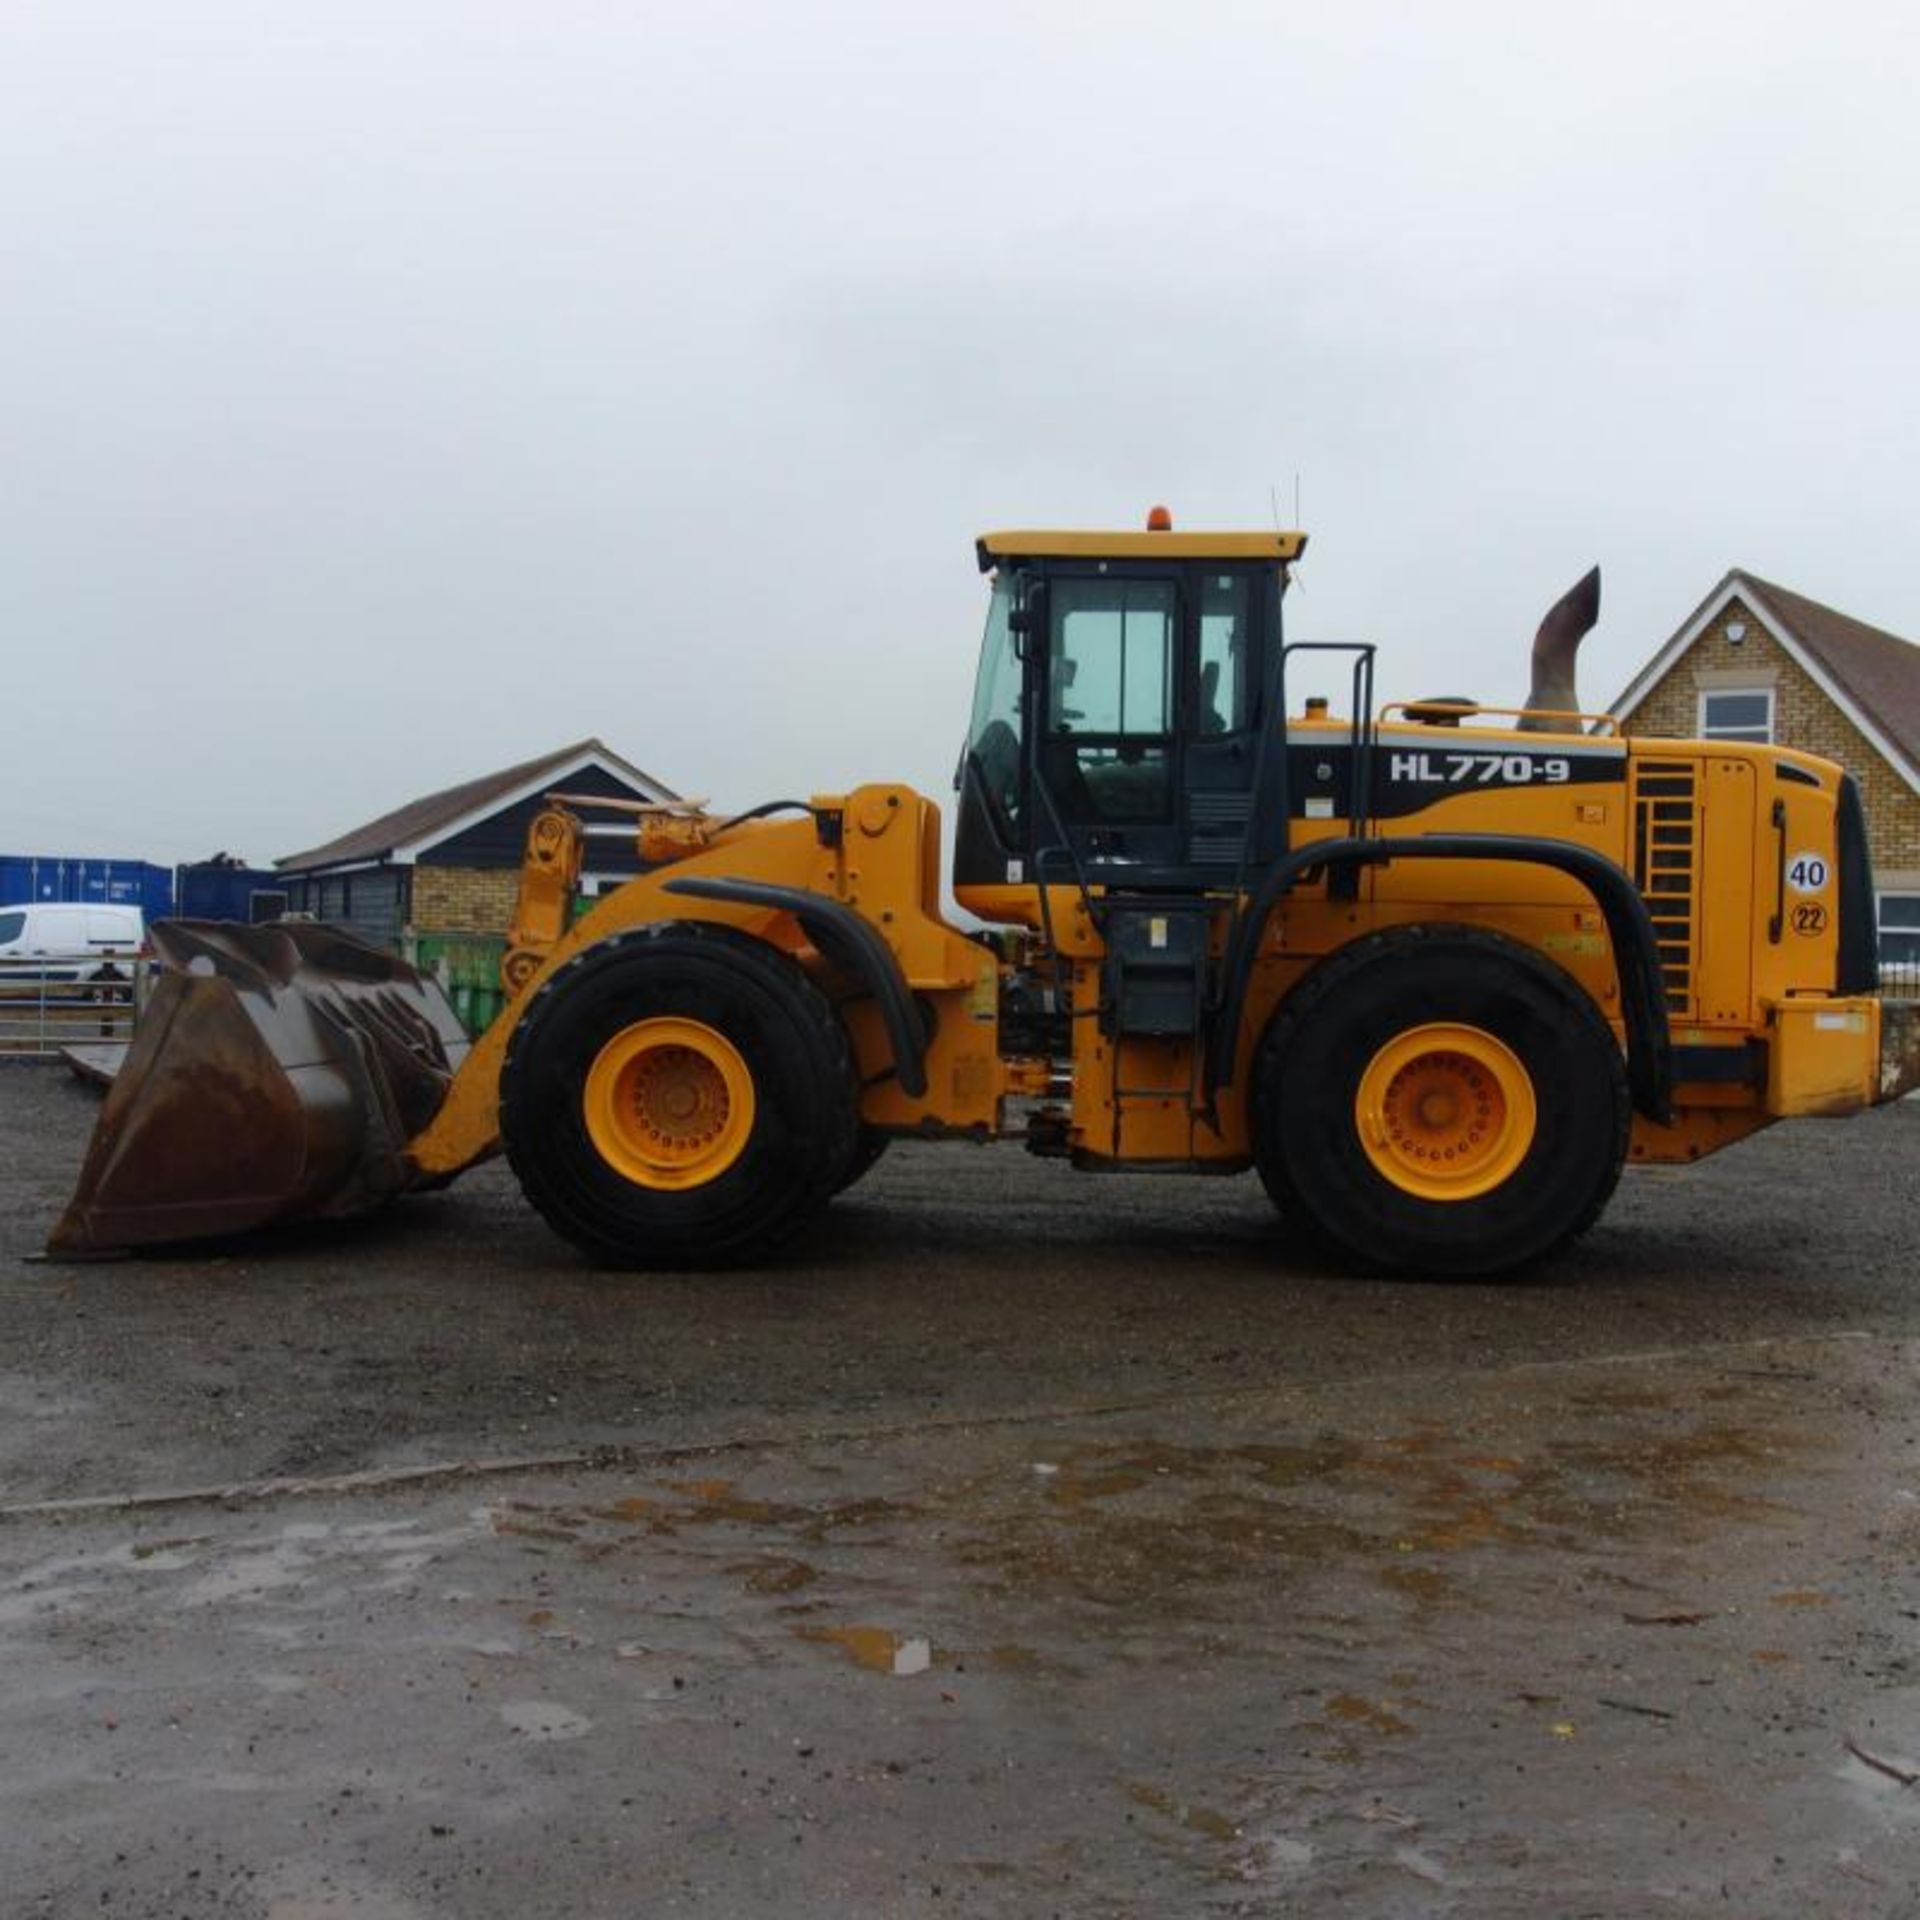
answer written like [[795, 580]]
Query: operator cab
[[1122, 692]]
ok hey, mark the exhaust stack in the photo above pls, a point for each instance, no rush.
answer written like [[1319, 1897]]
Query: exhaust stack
[[1568, 622]]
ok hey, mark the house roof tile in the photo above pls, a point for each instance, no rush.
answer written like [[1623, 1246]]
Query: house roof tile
[[1878, 671]]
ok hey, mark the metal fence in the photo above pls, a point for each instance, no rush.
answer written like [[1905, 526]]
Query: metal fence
[[467, 966], [1900, 979], [39, 1015]]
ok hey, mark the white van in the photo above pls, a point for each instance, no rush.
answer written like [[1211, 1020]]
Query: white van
[[70, 940]]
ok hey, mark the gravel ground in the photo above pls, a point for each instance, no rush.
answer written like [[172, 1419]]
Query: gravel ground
[[1027, 1543]]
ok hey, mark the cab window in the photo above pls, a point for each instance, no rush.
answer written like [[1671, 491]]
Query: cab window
[[1226, 703], [1112, 657], [993, 737], [1110, 703]]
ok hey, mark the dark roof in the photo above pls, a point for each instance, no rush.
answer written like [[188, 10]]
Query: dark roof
[[1878, 671], [422, 819]]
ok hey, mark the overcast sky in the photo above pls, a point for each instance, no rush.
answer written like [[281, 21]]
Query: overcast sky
[[390, 392]]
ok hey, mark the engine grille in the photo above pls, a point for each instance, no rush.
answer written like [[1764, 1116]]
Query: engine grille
[[1217, 827], [1666, 867]]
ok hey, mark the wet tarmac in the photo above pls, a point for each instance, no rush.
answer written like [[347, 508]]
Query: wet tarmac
[[1028, 1544]]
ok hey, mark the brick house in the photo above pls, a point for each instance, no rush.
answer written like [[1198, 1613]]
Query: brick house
[[449, 864], [1756, 662]]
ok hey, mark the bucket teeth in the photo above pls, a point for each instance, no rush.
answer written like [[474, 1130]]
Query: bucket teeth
[[277, 1074]]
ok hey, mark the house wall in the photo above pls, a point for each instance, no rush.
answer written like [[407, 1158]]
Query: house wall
[[371, 903], [1803, 717], [501, 838], [468, 882], [463, 899]]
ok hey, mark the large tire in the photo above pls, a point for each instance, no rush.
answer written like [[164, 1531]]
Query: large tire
[[678, 1096], [869, 1147], [1440, 1101]]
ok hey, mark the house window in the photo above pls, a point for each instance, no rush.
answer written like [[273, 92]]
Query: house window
[[1744, 713], [1900, 932]]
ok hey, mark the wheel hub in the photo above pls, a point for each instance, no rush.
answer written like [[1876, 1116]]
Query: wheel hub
[[669, 1103], [1445, 1112]]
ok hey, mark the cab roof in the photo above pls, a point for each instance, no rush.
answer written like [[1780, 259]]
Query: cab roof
[[1026, 544]]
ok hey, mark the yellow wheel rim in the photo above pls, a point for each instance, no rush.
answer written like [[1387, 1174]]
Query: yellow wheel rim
[[669, 1103], [1445, 1112]]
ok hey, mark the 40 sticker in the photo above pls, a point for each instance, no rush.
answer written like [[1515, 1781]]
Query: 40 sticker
[[1807, 872]]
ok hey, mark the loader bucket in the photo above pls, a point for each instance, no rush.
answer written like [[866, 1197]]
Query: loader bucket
[[276, 1074]]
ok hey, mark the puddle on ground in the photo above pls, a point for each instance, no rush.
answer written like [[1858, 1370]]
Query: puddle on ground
[[1196, 1819], [1138, 1530], [309, 1890], [513, 1524], [775, 1575], [1148, 1527], [1428, 1585], [672, 1508], [544, 1720], [168, 1556], [1423, 1866], [1623, 1399], [1071, 1490], [253, 1576], [1012, 1659], [878, 1649], [1280, 1853], [704, 1491], [1089, 1475], [17, 1609], [1378, 1716]]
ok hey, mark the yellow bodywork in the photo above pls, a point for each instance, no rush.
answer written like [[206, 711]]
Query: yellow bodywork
[[1737, 987], [884, 863], [1742, 960], [1281, 547]]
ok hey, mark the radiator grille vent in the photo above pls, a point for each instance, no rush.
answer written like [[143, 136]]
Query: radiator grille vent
[[1666, 867], [1218, 826]]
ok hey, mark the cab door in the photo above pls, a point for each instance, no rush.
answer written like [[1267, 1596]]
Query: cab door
[[1109, 749], [1218, 764]]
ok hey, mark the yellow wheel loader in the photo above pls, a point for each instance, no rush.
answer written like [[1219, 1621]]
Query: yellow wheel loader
[[1437, 971]]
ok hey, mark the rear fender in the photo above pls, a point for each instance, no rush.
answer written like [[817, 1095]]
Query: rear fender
[[1629, 930]]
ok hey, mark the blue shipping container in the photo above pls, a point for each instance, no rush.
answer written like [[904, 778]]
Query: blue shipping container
[[120, 883], [216, 890]]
